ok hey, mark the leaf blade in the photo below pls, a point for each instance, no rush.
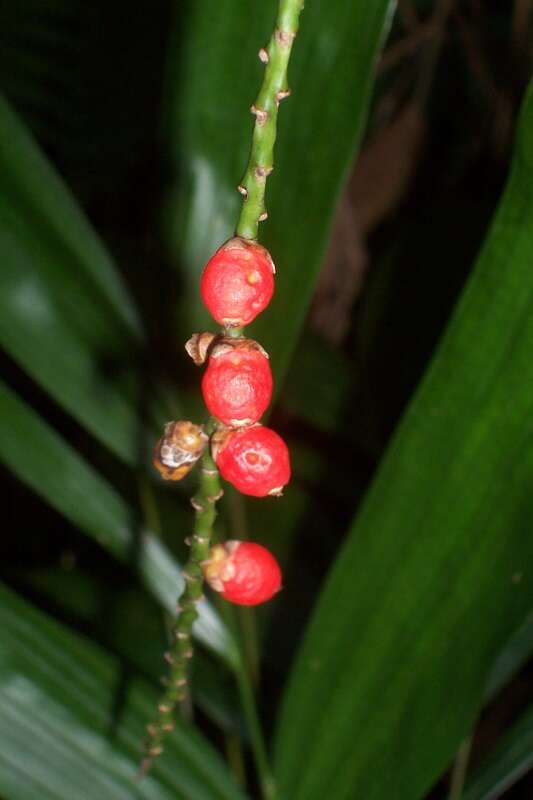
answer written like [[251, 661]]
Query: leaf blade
[[428, 586], [56, 701], [506, 764], [29, 447], [65, 315]]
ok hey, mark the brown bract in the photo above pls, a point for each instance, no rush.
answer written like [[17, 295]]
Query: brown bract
[[227, 344], [179, 449], [198, 346]]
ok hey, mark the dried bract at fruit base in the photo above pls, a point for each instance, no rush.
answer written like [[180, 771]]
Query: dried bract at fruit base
[[198, 345]]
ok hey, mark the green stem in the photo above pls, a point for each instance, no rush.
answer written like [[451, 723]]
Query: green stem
[[235, 758], [249, 707], [268, 786], [204, 502], [459, 770], [274, 89]]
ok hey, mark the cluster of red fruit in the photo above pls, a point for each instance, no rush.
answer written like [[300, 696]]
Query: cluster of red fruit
[[236, 285]]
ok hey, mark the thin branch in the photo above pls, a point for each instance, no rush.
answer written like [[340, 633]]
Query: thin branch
[[181, 651], [274, 89]]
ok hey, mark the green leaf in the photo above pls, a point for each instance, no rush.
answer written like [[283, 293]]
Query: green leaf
[[132, 616], [429, 585], [510, 760], [314, 357], [212, 75], [65, 736], [36, 190], [41, 459], [65, 315], [514, 655]]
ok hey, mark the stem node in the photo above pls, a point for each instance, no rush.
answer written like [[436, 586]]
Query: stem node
[[285, 38], [262, 173], [282, 94], [260, 114]]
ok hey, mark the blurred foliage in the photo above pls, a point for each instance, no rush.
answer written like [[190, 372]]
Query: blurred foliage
[[122, 139]]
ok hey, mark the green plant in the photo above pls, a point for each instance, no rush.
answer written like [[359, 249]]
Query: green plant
[[423, 616]]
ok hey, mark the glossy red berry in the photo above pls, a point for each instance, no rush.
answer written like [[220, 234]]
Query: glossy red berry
[[238, 282], [237, 384], [255, 460], [244, 572]]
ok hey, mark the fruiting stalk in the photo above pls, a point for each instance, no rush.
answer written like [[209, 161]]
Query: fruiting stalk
[[273, 90]]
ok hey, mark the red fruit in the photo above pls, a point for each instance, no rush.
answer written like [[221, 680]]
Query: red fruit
[[244, 572], [238, 282], [237, 384], [255, 460]]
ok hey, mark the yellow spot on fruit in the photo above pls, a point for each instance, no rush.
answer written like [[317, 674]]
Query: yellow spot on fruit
[[253, 277]]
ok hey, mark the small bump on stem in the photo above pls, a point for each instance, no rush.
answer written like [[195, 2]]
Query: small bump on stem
[[282, 94], [262, 217], [263, 56], [262, 173], [285, 38], [260, 114]]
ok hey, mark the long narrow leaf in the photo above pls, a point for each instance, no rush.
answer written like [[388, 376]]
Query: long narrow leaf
[[433, 575], [63, 734], [65, 315], [511, 759], [41, 459], [36, 188], [514, 655]]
